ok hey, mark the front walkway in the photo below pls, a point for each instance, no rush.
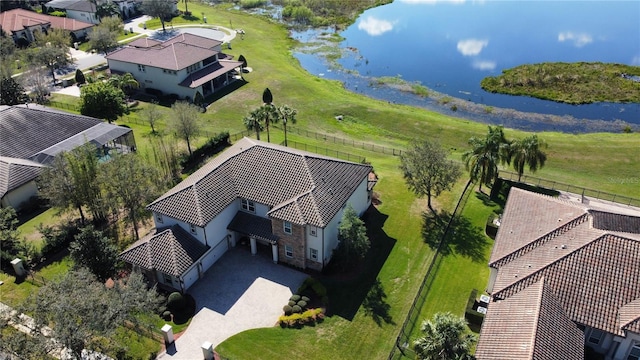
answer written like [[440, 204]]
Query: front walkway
[[238, 293]]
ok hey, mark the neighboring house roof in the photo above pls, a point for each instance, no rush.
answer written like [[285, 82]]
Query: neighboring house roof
[[171, 251], [19, 19], [33, 135], [593, 272], [523, 327], [16, 172], [209, 73], [176, 53], [76, 5], [302, 187]]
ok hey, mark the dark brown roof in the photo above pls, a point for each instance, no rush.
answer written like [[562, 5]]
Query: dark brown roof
[[615, 222], [524, 326], [252, 225], [19, 19], [209, 73], [171, 251], [301, 187]]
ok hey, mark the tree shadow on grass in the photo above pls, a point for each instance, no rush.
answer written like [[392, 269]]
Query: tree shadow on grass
[[463, 238], [375, 306], [347, 291]]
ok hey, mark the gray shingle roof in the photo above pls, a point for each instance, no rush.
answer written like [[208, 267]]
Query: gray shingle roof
[[27, 131], [171, 251], [252, 225], [525, 326], [16, 172], [301, 187]]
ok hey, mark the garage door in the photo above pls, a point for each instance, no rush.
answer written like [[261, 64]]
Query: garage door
[[215, 253]]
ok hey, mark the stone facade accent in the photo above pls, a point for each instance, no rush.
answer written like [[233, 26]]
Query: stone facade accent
[[296, 240]]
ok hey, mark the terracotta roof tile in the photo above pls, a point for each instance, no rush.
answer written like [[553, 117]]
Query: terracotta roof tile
[[301, 187], [629, 316], [19, 19], [526, 326], [171, 251], [252, 225]]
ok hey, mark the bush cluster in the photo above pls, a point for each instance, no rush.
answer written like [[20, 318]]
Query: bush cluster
[[211, 147], [176, 302], [296, 304], [297, 320]]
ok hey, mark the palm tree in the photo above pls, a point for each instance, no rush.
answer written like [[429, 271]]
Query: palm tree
[[124, 82], [527, 151], [485, 155], [253, 121], [444, 338], [268, 114], [286, 114]]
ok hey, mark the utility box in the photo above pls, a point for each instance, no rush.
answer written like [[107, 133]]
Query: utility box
[[207, 350], [18, 267], [167, 334]]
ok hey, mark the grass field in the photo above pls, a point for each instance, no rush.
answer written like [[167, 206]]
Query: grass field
[[399, 256]]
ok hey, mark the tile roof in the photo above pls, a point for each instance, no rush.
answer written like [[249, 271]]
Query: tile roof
[[523, 327], [209, 73], [77, 5], [16, 172], [301, 187], [589, 260], [176, 53], [252, 225], [19, 19], [516, 225], [171, 251]]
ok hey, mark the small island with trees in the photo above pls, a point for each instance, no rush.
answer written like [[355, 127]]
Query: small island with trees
[[572, 83]]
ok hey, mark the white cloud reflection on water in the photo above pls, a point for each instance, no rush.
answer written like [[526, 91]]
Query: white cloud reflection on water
[[578, 39], [471, 47], [374, 26]]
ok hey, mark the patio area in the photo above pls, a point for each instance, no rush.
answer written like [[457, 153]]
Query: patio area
[[238, 293]]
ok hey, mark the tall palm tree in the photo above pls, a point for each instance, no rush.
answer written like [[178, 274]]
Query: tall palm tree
[[268, 114], [253, 121], [485, 155], [287, 115], [444, 338], [527, 151]]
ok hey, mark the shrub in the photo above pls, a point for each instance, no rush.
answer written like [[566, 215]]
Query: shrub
[[287, 310], [309, 317], [295, 297], [80, 78], [176, 301], [213, 146], [166, 315], [304, 298], [153, 91], [291, 302], [250, 4], [296, 309], [302, 304]]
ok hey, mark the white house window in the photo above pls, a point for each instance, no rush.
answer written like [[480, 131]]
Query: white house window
[[313, 231], [635, 353], [595, 337], [193, 229], [167, 71], [314, 254], [192, 68], [159, 218], [248, 205], [141, 68], [288, 250], [286, 227]]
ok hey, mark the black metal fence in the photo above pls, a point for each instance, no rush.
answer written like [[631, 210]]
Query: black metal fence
[[579, 190], [403, 347], [326, 151], [342, 141]]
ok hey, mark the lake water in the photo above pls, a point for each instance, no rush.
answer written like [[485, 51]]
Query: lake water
[[450, 46]]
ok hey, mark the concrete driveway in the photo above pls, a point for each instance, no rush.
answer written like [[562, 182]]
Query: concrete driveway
[[238, 293]]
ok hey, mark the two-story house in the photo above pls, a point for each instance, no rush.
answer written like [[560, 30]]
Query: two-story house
[[22, 25], [184, 65], [565, 275], [285, 200]]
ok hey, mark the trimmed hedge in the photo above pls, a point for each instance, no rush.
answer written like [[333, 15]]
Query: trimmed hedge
[[176, 301], [309, 317]]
